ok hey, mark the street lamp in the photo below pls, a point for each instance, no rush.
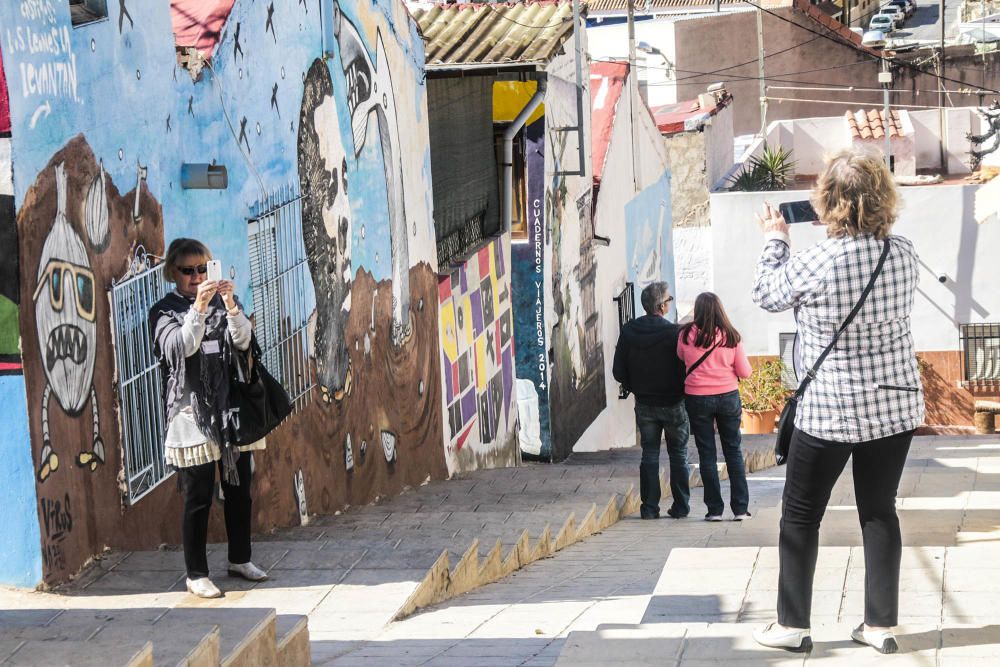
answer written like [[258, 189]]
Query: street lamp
[[646, 47]]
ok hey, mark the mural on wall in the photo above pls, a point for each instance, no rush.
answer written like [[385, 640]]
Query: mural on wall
[[10, 352], [528, 285], [649, 240], [365, 172], [477, 351], [373, 352], [76, 235], [577, 381]]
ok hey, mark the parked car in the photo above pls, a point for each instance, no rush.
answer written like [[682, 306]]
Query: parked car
[[882, 23], [893, 12], [908, 6]]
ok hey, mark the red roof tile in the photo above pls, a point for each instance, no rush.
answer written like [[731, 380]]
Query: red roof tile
[[870, 124], [607, 79]]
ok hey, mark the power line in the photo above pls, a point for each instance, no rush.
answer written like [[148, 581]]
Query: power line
[[852, 104], [855, 47], [560, 22]]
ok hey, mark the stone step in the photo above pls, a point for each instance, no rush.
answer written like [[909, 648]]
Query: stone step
[[208, 635], [99, 653]]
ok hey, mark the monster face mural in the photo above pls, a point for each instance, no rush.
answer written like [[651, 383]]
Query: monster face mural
[[326, 228], [65, 314], [370, 93]]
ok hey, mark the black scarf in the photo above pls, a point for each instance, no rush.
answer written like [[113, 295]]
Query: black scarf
[[206, 375]]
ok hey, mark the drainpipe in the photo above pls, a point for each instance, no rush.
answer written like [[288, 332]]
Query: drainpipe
[[508, 151]]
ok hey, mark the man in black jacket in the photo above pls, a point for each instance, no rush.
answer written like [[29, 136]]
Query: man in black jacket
[[646, 364]]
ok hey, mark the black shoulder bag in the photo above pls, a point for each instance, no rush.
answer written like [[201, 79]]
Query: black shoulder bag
[[257, 402], [786, 423]]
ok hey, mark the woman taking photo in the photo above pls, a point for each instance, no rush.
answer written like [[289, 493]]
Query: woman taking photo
[[197, 329], [866, 398], [711, 350]]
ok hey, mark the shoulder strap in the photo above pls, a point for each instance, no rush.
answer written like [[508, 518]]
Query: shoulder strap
[[811, 373], [702, 358]]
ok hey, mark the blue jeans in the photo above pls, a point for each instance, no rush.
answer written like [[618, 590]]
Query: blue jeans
[[654, 422], [722, 411]]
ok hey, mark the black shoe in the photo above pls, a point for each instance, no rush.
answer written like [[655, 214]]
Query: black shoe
[[674, 514], [649, 515]]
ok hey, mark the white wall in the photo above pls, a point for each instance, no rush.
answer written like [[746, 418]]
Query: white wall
[[719, 145], [615, 426], [958, 122], [939, 221], [611, 42]]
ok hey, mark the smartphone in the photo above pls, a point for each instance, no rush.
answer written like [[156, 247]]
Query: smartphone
[[798, 211], [214, 270]]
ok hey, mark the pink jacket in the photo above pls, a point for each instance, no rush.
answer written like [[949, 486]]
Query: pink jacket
[[719, 373]]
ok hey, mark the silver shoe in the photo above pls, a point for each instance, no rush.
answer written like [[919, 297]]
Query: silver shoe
[[248, 571], [203, 588], [797, 640]]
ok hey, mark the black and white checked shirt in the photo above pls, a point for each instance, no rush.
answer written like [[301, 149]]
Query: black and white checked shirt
[[869, 385]]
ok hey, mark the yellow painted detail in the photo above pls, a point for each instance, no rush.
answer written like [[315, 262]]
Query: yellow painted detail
[[509, 97]]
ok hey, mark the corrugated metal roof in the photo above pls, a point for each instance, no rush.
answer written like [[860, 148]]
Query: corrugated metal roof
[[654, 6], [458, 36]]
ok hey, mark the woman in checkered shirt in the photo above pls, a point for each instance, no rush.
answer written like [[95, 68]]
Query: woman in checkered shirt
[[866, 399]]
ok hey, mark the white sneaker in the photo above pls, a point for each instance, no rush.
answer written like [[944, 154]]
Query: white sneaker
[[248, 571], [713, 517], [203, 588], [772, 635], [742, 517], [882, 641]]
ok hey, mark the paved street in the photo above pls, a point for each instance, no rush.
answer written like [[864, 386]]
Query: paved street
[[639, 592], [690, 592], [925, 23]]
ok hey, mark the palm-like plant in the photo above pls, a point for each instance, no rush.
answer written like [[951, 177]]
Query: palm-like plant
[[773, 169]]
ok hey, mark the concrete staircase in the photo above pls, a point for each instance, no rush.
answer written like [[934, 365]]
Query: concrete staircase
[[143, 637]]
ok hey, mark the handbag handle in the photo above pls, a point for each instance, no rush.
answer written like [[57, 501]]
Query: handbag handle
[[811, 373]]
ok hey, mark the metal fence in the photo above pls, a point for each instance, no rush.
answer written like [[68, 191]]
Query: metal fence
[[980, 352], [282, 290], [140, 389]]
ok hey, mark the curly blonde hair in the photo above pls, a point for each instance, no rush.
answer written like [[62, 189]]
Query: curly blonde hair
[[856, 194]]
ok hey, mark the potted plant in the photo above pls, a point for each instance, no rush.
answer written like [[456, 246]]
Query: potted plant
[[762, 395], [773, 169]]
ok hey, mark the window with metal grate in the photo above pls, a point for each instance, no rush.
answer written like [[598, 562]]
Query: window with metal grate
[[980, 352], [83, 12], [140, 386], [282, 291]]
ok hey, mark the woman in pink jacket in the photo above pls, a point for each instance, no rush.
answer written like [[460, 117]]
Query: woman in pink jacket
[[711, 350]]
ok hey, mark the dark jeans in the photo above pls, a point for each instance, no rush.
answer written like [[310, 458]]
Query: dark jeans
[[705, 414], [813, 467], [197, 484], [654, 422]]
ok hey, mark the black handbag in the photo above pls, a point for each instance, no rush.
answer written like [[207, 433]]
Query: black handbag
[[257, 402], [786, 423]]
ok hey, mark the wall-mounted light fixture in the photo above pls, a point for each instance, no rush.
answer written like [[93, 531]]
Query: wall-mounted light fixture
[[204, 176]]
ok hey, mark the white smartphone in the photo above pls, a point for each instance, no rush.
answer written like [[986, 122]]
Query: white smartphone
[[214, 270]]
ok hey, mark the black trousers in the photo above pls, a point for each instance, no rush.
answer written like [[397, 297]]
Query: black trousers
[[813, 467], [197, 484]]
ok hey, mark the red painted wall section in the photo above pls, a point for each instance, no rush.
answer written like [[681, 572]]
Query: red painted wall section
[[4, 102], [199, 23]]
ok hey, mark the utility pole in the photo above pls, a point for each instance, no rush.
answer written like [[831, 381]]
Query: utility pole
[[760, 73], [633, 86], [940, 69], [885, 78]]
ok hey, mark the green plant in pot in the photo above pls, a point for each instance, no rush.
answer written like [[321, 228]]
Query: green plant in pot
[[762, 396]]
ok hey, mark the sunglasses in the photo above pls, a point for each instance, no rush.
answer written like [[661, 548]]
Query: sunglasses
[[191, 270], [82, 286], [667, 300]]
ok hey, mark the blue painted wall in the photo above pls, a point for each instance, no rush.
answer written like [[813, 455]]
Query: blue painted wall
[[108, 98], [20, 553], [649, 240]]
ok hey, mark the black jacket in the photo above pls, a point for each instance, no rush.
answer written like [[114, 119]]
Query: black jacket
[[646, 361]]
